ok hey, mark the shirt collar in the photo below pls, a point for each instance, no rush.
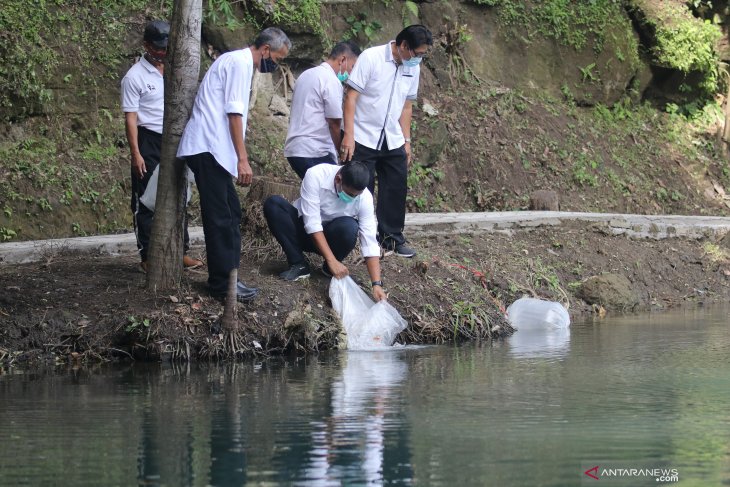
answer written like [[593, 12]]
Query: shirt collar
[[148, 65], [389, 52]]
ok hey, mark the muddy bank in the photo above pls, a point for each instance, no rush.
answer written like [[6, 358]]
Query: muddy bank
[[92, 307]]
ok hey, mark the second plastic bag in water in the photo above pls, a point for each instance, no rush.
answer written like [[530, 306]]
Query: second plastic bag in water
[[537, 314], [367, 324]]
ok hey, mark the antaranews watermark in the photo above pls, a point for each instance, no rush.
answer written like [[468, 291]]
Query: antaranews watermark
[[612, 473]]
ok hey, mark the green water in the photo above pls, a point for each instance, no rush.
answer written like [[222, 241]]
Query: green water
[[640, 392]]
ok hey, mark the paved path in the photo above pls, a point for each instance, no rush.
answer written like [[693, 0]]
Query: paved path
[[637, 226]]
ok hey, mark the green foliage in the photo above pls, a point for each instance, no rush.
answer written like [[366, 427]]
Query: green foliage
[[410, 9], [575, 24], [135, 324], [62, 40], [305, 13], [360, 25], [221, 11], [488, 3], [688, 44], [27, 59], [423, 179]]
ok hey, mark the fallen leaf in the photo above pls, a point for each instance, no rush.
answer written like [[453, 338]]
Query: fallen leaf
[[174, 299]]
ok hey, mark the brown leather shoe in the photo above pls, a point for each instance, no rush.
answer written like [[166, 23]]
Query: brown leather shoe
[[191, 263]]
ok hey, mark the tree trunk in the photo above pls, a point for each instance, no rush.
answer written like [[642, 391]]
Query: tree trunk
[[229, 320], [181, 83]]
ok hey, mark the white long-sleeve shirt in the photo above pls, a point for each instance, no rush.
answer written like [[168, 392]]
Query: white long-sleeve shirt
[[320, 204]]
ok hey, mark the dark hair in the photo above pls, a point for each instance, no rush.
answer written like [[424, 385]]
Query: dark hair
[[415, 35], [345, 48], [355, 175], [274, 37]]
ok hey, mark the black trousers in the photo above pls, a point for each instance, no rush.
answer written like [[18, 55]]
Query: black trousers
[[150, 146], [391, 168], [302, 164], [220, 209], [288, 228]]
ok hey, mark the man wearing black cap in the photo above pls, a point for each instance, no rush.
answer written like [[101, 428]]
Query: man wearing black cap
[[143, 97]]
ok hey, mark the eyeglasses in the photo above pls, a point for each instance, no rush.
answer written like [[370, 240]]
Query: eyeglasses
[[422, 54]]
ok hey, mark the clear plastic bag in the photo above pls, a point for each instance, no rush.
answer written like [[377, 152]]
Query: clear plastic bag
[[149, 197], [368, 324], [537, 314]]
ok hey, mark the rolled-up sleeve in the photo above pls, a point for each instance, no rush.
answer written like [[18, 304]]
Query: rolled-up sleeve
[[368, 226], [310, 205], [236, 88]]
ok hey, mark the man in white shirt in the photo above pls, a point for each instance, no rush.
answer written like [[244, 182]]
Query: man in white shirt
[[316, 111], [214, 149], [377, 118], [334, 208], [143, 101]]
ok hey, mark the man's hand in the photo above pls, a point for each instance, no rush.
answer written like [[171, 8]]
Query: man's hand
[[338, 269], [347, 149], [379, 293], [245, 174], [408, 154], [138, 166]]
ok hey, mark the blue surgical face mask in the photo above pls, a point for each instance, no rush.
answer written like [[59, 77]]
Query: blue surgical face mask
[[346, 197], [412, 62], [343, 76], [267, 65]]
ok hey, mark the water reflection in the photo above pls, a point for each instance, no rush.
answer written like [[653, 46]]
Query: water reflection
[[552, 343], [633, 390], [350, 443]]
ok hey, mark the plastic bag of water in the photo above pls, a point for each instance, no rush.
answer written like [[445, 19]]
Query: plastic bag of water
[[537, 314], [368, 324]]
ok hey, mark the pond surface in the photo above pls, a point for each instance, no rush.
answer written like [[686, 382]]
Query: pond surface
[[634, 392]]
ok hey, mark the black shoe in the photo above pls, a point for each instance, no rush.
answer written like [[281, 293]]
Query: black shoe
[[404, 251], [326, 270], [295, 272], [243, 293]]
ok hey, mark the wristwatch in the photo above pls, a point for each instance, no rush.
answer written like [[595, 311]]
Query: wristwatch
[[376, 283]]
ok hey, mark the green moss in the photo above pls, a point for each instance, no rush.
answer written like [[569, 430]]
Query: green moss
[[688, 44], [580, 25], [305, 13], [55, 42]]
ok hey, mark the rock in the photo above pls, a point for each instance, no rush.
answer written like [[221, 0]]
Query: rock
[[434, 146], [612, 291], [725, 241], [544, 200], [278, 106], [429, 109]]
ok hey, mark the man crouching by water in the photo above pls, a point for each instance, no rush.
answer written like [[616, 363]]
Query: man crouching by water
[[334, 207]]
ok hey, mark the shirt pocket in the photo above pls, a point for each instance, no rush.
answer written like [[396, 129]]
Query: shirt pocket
[[404, 84]]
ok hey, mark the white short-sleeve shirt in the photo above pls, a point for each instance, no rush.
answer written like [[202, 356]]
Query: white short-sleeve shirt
[[317, 97], [143, 92], [384, 87], [319, 204], [226, 88]]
